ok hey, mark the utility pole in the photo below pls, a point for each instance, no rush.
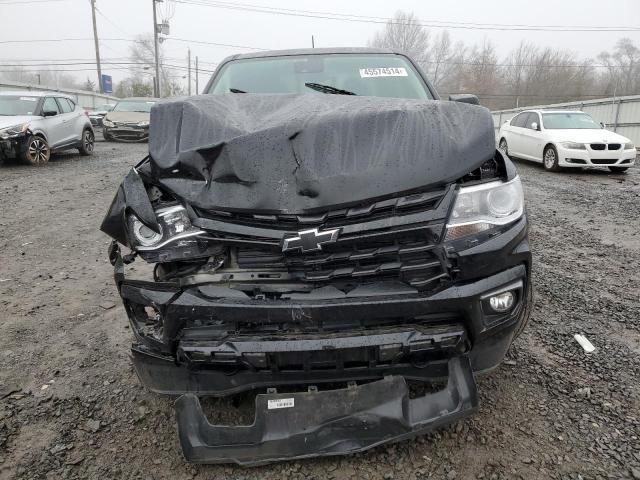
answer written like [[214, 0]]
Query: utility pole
[[197, 75], [313, 42], [189, 71], [95, 39], [156, 84]]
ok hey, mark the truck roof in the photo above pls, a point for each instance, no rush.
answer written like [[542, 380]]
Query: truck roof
[[311, 51]]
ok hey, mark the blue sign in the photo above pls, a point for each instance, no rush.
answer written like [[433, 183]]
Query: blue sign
[[107, 84]]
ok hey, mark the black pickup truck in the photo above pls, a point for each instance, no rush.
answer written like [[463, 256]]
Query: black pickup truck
[[327, 231]]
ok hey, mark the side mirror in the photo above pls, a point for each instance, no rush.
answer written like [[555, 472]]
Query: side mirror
[[535, 126], [464, 98], [603, 125], [49, 113]]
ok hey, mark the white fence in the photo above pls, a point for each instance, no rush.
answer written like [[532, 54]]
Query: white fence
[[88, 100], [619, 114]]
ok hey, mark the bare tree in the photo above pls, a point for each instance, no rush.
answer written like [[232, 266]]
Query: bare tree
[[404, 33], [445, 59], [528, 75]]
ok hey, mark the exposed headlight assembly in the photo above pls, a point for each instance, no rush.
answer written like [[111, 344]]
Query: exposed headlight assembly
[[574, 145], [107, 123], [175, 230], [481, 207], [13, 130]]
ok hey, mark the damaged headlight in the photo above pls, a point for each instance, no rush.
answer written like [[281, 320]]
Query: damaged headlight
[[175, 229], [107, 123], [482, 207], [143, 124], [13, 130]]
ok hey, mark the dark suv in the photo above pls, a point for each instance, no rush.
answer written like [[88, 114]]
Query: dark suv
[[326, 231]]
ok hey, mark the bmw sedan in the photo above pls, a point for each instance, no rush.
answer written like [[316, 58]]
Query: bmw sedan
[[560, 139]]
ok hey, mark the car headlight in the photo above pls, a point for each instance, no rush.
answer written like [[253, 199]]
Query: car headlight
[[143, 124], [175, 229], [13, 130], [107, 123], [574, 146], [481, 207], [629, 146]]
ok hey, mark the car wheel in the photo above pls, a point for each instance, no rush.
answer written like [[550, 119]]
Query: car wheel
[[88, 142], [502, 146], [37, 151], [550, 159], [618, 169]]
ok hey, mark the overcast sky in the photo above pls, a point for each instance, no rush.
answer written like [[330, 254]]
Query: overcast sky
[[55, 19]]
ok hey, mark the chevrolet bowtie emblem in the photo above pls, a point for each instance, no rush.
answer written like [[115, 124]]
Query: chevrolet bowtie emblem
[[310, 240]]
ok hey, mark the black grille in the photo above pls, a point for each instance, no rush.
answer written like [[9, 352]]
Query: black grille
[[598, 146], [604, 161], [614, 146], [344, 216], [392, 239], [412, 258]]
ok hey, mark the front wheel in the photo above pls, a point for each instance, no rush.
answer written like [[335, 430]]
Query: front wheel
[[37, 151], [618, 169], [87, 143], [550, 159]]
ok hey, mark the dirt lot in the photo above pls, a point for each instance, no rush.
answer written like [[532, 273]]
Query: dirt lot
[[71, 406]]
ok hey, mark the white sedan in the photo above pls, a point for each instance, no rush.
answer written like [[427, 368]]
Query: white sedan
[[563, 138]]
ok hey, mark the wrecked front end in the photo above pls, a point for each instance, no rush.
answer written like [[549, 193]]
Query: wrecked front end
[[270, 276]]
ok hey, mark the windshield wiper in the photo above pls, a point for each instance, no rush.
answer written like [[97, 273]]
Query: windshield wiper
[[318, 87], [236, 90]]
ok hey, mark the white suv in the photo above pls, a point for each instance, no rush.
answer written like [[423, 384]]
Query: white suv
[[35, 124], [564, 138]]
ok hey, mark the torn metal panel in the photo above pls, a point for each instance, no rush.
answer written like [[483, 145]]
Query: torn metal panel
[[291, 426], [296, 153], [131, 196]]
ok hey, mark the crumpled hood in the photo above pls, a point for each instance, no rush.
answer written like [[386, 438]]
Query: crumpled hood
[[10, 121], [298, 153]]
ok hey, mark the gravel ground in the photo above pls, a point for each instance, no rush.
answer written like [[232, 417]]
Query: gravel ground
[[71, 406]]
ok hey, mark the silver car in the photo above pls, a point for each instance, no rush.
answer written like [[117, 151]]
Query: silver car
[[35, 124]]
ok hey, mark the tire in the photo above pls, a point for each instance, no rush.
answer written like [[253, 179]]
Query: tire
[[88, 142], [37, 151], [618, 169], [550, 159], [503, 146]]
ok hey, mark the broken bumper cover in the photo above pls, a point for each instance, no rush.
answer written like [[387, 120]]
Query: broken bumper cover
[[291, 426], [127, 134]]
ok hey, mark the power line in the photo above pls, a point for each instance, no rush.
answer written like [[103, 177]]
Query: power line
[[461, 63], [74, 64], [24, 2], [382, 20], [66, 40], [110, 21], [202, 42]]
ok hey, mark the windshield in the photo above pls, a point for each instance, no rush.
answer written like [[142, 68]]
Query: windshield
[[17, 105], [378, 75], [106, 107], [560, 120], [138, 106]]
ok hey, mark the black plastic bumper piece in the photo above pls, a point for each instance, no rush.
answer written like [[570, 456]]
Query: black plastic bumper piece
[[290, 426]]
